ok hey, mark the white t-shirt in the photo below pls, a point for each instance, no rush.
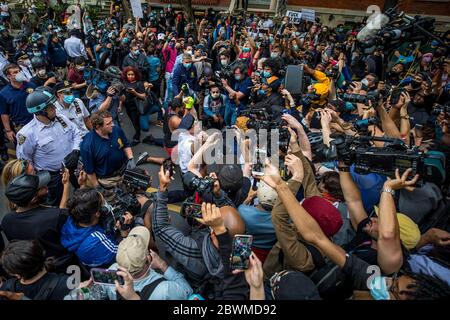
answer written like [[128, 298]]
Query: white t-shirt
[[185, 141]]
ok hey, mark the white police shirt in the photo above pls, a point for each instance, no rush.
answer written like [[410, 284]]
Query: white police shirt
[[46, 146], [76, 113]]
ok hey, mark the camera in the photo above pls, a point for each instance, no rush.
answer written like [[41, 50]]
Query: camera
[[438, 109], [362, 125], [194, 183], [169, 166], [395, 154], [135, 181], [102, 80], [113, 212], [185, 89], [358, 98]]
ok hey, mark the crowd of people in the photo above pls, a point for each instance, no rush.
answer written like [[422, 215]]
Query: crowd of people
[[325, 221]]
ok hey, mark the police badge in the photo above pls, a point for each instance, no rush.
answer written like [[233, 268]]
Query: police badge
[[20, 139]]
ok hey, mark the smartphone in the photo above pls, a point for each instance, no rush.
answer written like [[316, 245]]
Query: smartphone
[[106, 276], [241, 251], [79, 168], [191, 209], [169, 166], [258, 167]]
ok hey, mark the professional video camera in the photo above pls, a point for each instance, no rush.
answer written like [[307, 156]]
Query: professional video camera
[[395, 29], [261, 119], [227, 72], [115, 211], [358, 151], [136, 182], [102, 80], [362, 125], [194, 183]]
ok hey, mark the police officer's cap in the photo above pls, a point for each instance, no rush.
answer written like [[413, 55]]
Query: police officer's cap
[[22, 189], [40, 99], [63, 86]]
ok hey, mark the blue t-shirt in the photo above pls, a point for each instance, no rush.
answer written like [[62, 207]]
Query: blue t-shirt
[[258, 223], [103, 156], [154, 63], [243, 86], [12, 103], [370, 186]]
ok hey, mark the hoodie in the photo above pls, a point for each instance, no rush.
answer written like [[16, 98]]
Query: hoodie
[[92, 246]]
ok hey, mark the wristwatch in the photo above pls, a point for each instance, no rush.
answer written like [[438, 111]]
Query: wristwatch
[[389, 190]]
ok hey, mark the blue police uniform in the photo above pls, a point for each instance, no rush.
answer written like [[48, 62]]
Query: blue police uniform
[[12, 103], [182, 75], [46, 146], [101, 156]]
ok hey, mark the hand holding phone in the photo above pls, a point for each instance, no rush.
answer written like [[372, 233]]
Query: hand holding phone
[[258, 167], [106, 277], [241, 251]]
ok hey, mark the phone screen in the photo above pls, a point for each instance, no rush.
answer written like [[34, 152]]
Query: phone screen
[[260, 158], [105, 276], [242, 249]]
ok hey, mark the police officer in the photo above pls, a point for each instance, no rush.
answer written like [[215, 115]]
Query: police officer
[[105, 152], [72, 108], [12, 101], [49, 140]]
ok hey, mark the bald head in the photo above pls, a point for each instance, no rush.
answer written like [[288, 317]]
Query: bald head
[[232, 220]]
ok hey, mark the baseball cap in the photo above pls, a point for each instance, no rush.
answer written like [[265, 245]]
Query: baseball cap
[[187, 122], [294, 285], [133, 250], [326, 215], [273, 82], [230, 177], [161, 36], [22, 189]]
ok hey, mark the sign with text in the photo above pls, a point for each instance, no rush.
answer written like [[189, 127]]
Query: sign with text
[[309, 15], [294, 16], [137, 8]]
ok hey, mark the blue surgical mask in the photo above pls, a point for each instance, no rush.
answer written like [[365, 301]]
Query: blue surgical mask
[[261, 92], [378, 288], [69, 99], [295, 47], [266, 74], [246, 49], [237, 77], [37, 54], [271, 39], [274, 55], [187, 65]]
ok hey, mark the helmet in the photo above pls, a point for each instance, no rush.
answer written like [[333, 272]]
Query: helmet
[[38, 62], [40, 99], [36, 37], [266, 195]]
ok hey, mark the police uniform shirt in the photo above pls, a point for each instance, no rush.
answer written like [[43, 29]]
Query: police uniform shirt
[[46, 146], [104, 156], [76, 113], [12, 103]]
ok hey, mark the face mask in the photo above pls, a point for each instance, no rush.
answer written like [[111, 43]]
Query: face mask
[[37, 54], [245, 49], [237, 77], [69, 99], [190, 52], [187, 65], [295, 47], [215, 95], [378, 288], [266, 74], [365, 82], [42, 72], [224, 62], [271, 39], [20, 77], [274, 55], [136, 52], [261, 93]]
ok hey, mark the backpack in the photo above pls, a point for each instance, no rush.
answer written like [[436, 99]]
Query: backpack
[[439, 218]]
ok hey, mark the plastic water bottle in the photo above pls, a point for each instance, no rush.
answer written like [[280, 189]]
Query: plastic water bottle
[[95, 292]]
